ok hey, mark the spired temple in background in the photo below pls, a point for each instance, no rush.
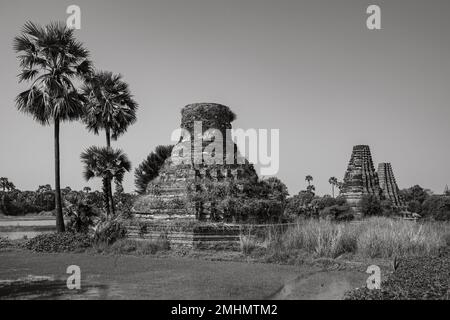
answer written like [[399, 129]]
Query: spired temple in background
[[361, 179], [388, 184]]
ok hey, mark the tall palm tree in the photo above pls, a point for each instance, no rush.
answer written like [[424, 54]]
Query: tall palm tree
[[110, 106], [333, 181], [51, 58], [108, 164], [308, 179]]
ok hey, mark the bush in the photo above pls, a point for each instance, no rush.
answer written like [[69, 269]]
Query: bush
[[422, 278], [110, 231], [247, 244], [371, 206], [59, 242], [436, 207], [81, 217]]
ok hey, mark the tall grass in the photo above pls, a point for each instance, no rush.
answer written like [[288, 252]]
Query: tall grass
[[374, 238]]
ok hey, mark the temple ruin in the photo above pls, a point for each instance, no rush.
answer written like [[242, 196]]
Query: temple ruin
[[360, 178], [166, 195], [388, 184], [164, 209]]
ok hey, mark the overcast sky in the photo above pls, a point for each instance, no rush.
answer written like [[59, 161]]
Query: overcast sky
[[308, 68]]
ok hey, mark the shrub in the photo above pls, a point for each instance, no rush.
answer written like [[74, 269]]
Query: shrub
[[110, 231], [418, 278], [247, 243], [371, 206], [376, 237], [59, 242], [436, 207], [81, 217]]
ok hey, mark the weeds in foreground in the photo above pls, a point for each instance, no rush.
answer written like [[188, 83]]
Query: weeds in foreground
[[371, 238]]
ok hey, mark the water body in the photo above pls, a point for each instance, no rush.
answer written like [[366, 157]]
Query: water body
[[28, 275], [26, 227]]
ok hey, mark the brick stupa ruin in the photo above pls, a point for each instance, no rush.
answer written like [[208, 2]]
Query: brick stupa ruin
[[361, 178], [166, 195], [388, 184]]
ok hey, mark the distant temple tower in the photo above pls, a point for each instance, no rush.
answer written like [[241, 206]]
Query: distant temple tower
[[360, 178], [388, 184]]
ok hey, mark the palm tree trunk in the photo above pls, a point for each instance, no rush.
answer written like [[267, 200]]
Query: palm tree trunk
[[58, 201], [111, 198], [109, 188], [332, 188], [108, 137], [106, 196]]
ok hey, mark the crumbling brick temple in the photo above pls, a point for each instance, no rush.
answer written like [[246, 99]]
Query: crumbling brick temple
[[193, 162]]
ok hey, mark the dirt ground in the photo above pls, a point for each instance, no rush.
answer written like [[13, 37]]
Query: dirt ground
[[28, 275]]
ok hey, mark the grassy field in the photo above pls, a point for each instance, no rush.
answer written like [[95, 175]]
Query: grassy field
[[371, 238]]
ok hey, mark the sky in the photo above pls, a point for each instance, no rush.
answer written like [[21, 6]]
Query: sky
[[311, 69]]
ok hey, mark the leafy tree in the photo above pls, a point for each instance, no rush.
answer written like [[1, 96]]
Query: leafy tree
[[44, 188], [81, 217], [300, 204], [308, 179], [108, 164], [149, 168], [6, 185], [436, 207], [371, 205], [333, 181], [51, 58], [414, 206], [233, 201], [311, 188], [276, 189], [415, 193]]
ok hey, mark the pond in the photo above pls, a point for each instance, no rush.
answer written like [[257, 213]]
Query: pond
[[25, 227]]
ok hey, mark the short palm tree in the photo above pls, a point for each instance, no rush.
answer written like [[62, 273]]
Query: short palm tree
[[333, 181], [108, 164], [110, 106], [51, 58]]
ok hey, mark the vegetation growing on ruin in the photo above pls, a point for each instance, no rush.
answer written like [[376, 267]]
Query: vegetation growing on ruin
[[211, 115]]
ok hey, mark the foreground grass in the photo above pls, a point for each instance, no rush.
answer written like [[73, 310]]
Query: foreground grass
[[371, 238]]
